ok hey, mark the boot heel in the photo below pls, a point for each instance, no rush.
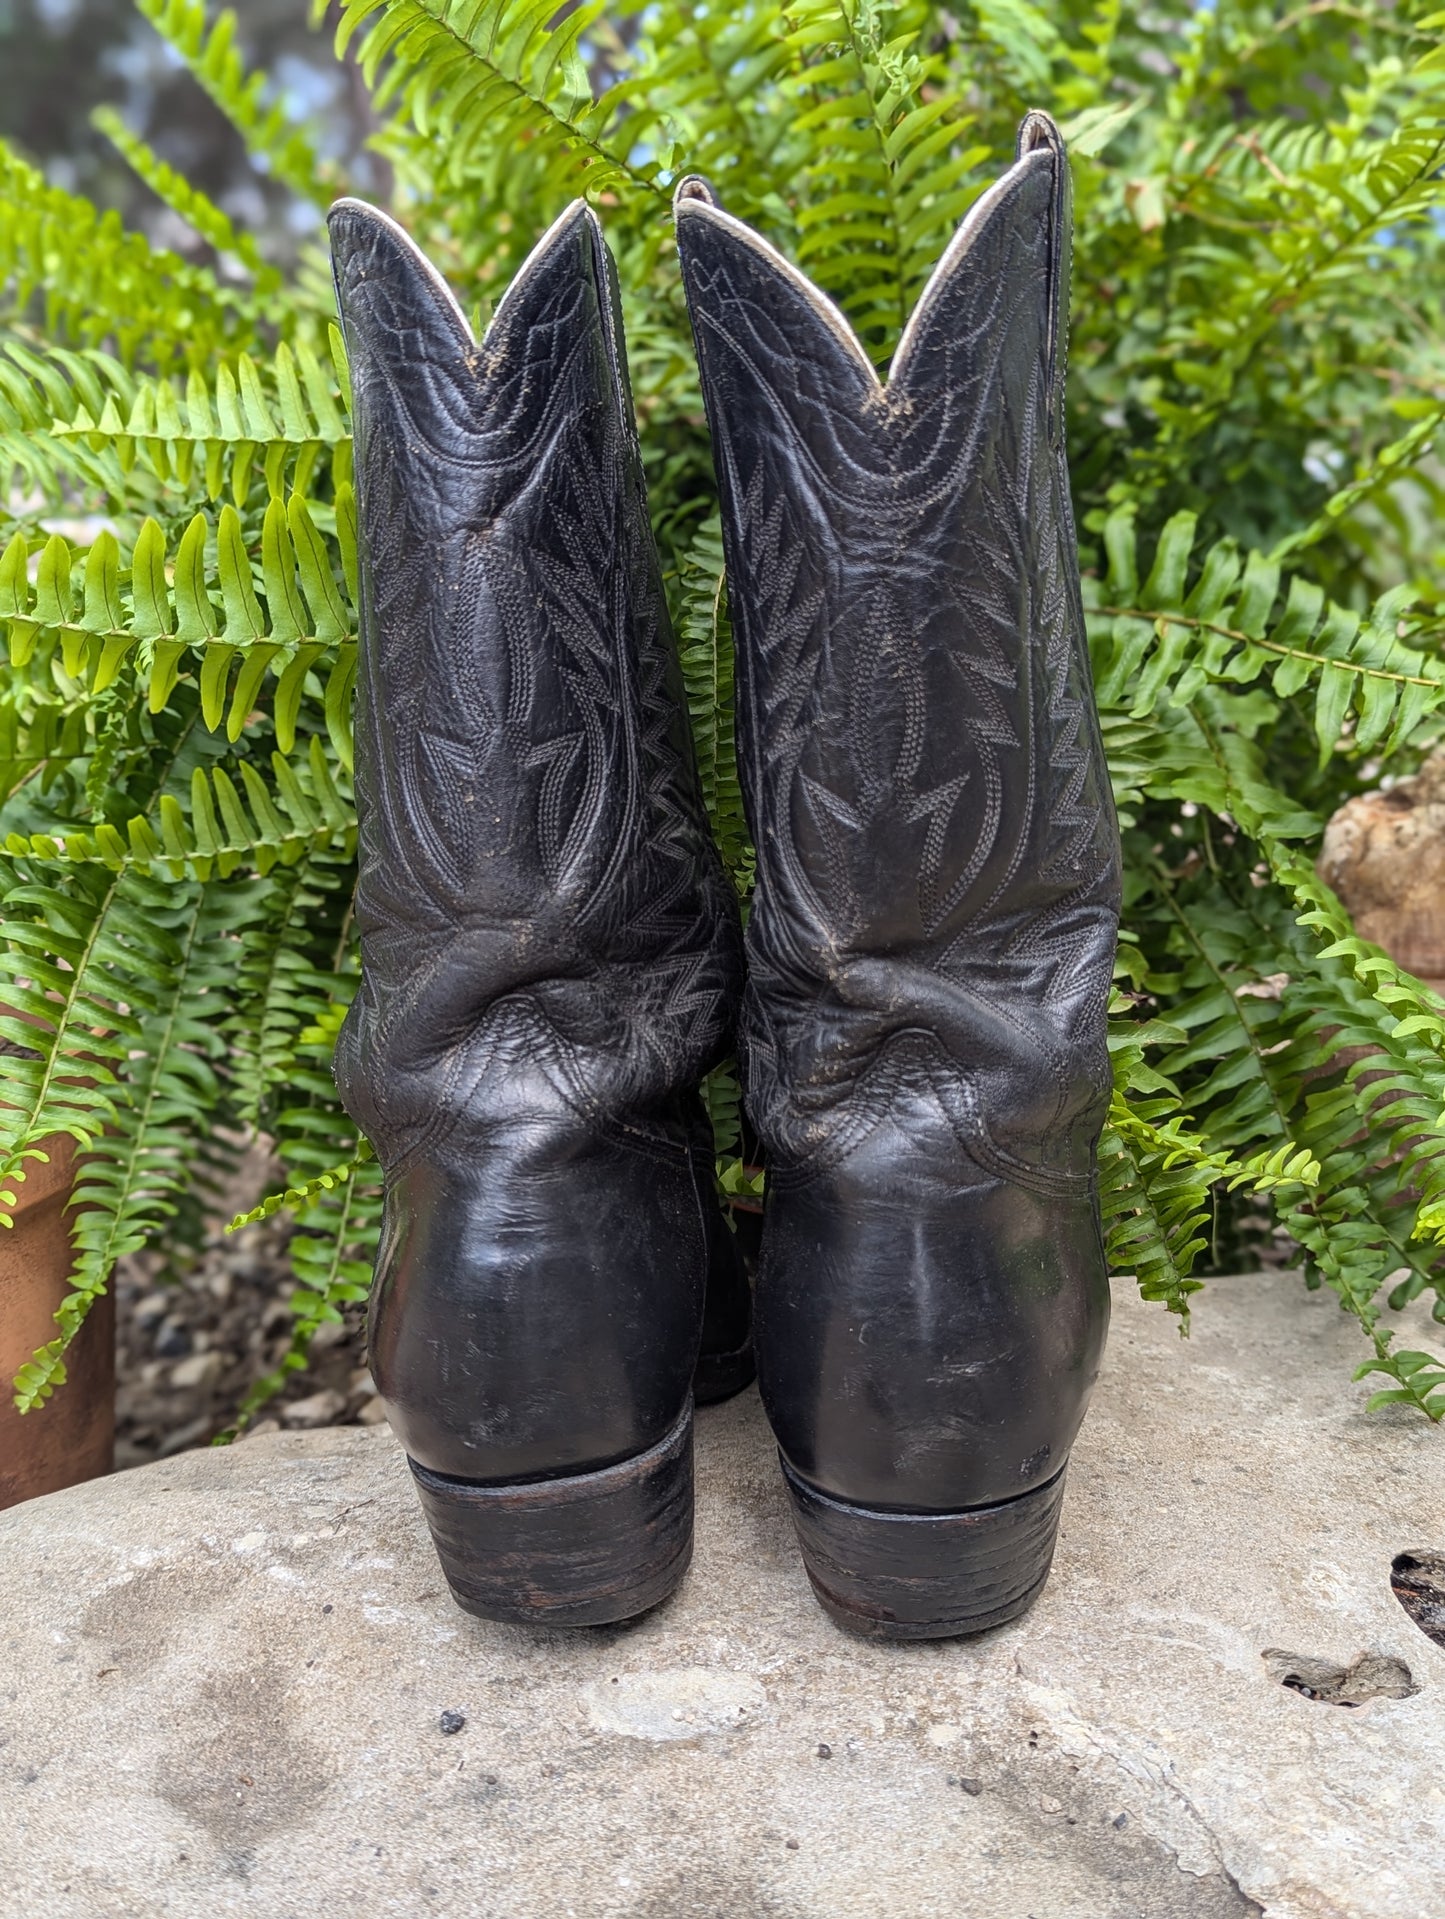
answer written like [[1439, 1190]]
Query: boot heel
[[723, 1375], [925, 1575], [586, 1550]]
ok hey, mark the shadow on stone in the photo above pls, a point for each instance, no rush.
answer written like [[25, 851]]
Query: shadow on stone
[[1372, 1675], [1418, 1582]]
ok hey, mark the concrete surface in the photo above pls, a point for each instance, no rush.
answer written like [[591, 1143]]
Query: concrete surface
[[222, 1682]]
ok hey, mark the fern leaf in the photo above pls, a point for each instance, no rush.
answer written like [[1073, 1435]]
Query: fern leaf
[[225, 829], [193, 206], [892, 172], [251, 421], [331, 1253], [289, 954], [197, 613], [465, 71], [1157, 645], [213, 57], [337, 1203], [705, 649], [296, 1198], [132, 1172], [98, 282]]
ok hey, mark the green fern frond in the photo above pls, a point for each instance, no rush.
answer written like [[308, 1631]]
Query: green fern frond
[[1158, 1174], [36, 383], [464, 72], [1300, 1031], [275, 142], [288, 957], [80, 948], [337, 1203], [35, 734], [197, 209], [164, 1083], [1398, 459], [82, 422], [1156, 1186], [74, 955], [890, 175], [197, 612], [252, 420], [705, 649], [250, 828], [331, 1254], [1160, 642], [96, 282], [723, 1098], [1022, 39], [297, 1198], [1314, 201], [1345, 1248], [719, 70], [1155, 1220], [1419, 1382]]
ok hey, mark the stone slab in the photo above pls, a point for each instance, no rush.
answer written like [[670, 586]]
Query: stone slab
[[222, 1681]]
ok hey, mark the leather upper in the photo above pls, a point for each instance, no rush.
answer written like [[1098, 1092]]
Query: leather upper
[[938, 860], [932, 938], [546, 929], [550, 946]]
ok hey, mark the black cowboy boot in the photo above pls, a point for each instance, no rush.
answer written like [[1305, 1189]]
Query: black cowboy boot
[[550, 947], [931, 943]]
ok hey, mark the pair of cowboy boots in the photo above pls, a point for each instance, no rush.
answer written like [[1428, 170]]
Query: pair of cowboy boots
[[552, 957]]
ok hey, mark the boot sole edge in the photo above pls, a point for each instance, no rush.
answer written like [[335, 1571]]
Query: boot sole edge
[[900, 1575], [582, 1549]]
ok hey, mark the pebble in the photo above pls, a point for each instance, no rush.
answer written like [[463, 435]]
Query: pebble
[[196, 1433], [452, 1721], [201, 1369], [174, 1340], [150, 1311], [317, 1409]]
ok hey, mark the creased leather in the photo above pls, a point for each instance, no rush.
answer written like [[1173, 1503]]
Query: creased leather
[[932, 938], [550, 946]]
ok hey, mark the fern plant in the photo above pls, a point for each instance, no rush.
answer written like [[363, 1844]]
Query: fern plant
[[1256, 396]]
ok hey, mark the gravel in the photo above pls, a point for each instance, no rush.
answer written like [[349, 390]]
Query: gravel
[[188, 1352]]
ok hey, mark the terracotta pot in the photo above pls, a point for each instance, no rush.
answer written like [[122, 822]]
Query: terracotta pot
[[72, 1436]]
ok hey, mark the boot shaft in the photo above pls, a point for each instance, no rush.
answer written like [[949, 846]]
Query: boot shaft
[[535, 862], [937, 849], [932, 937], [550, 949]]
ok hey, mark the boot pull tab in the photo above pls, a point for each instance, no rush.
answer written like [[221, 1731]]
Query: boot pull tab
[[1038, 133], [693, 186]]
